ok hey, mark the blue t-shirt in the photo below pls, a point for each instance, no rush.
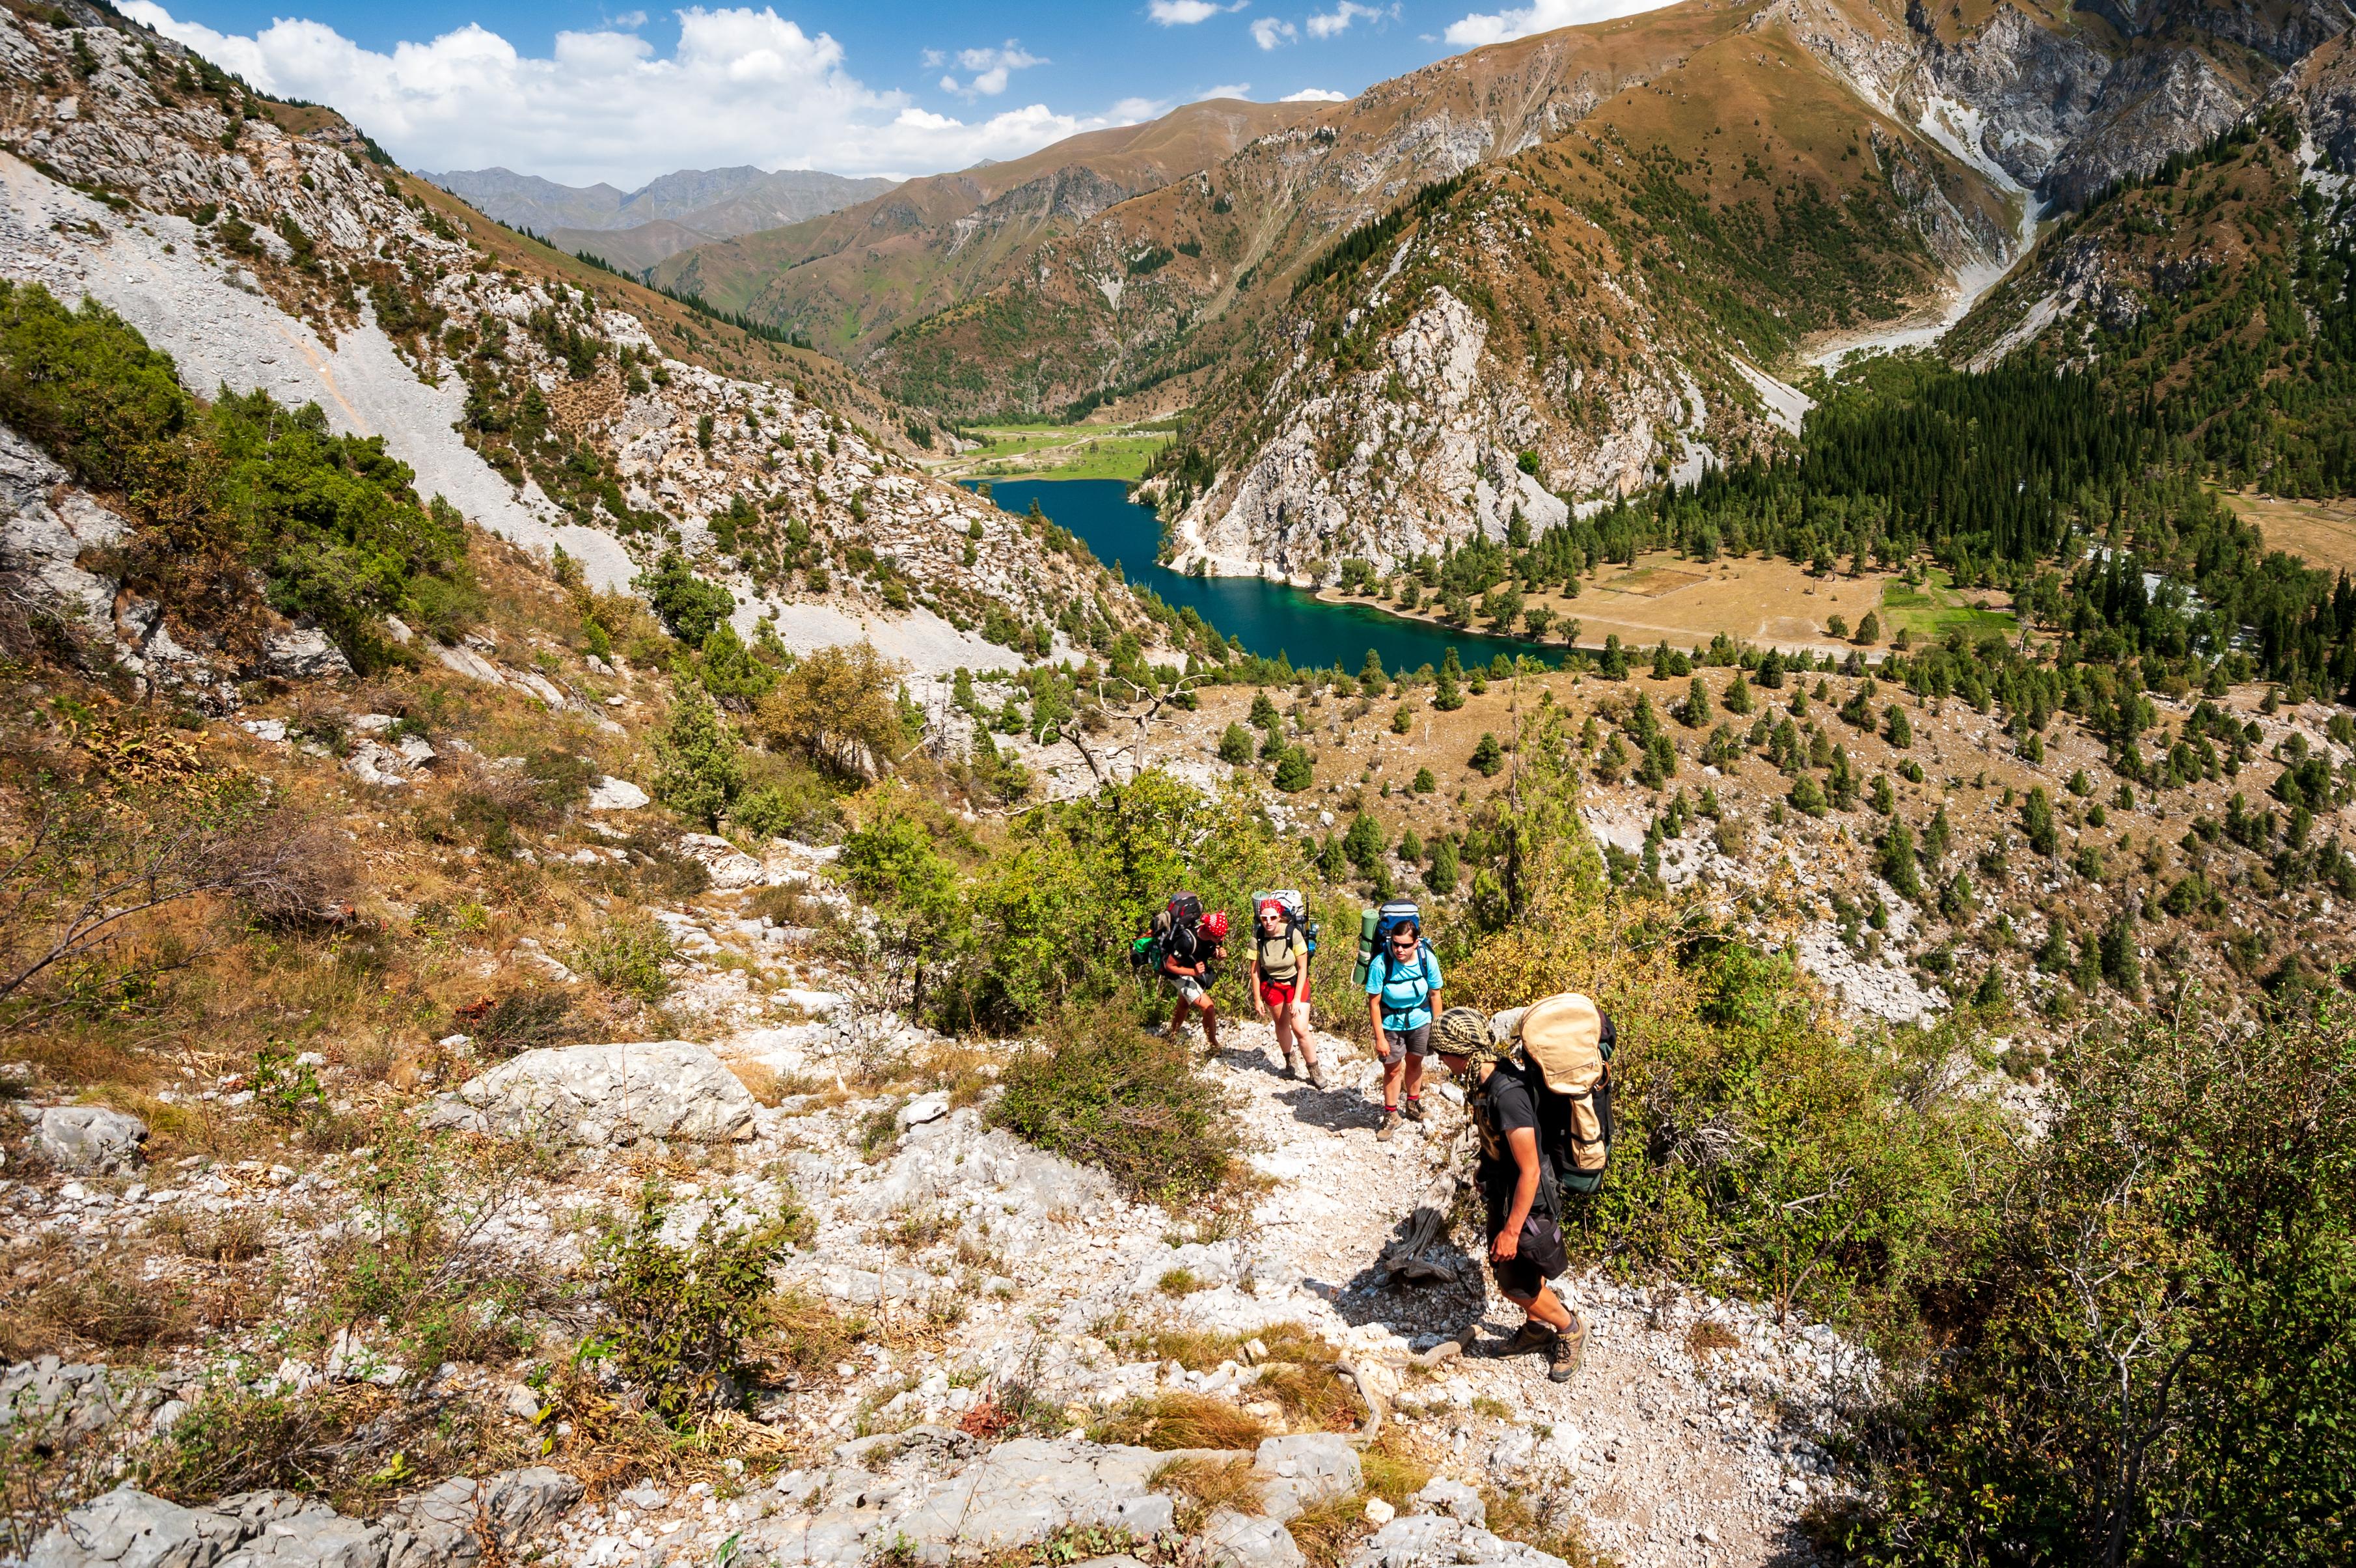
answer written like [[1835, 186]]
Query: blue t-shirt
[[1406, 989]]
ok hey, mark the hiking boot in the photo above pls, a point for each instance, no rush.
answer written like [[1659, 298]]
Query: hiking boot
[[1413, 1109], [1567, 1351], [1317, 1074], [1390, 1124], [1534, 1336], [1292, 1068]]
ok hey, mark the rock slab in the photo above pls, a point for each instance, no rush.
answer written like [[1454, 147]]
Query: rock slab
[[89, 1137], [615, 1093]]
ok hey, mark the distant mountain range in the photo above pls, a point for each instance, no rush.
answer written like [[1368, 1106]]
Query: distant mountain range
[[634, 229]]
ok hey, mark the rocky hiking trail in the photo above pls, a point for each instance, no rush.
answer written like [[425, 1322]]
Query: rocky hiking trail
[[995, 1274]]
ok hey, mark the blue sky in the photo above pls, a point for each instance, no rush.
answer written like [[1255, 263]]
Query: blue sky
[[579, 93]]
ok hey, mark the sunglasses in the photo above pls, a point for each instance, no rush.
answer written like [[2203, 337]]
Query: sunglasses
[[1408, 940]]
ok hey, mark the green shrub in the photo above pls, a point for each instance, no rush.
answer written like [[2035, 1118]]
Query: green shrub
[[1102, 1091], [627, 955], [688, 607], [700, 768], [683, 1316], [2155, 1366], [330, 522]]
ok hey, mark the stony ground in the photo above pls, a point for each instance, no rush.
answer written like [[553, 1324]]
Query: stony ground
[[985, 1266]]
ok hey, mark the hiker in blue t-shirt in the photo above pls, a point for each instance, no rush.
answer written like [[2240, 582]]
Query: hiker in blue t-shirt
[[1402, 995]]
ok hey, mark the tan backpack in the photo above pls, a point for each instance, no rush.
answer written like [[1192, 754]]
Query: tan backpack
[[1569, 1040]]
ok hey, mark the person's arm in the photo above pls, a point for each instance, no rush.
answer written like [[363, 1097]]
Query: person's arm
[[1301, 967], [1251, 984], [1523, 1141]]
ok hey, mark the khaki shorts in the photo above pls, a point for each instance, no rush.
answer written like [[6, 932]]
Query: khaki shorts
[[1187, 989]]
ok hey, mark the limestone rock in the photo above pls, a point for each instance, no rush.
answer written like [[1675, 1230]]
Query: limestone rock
[[729, 867], [302, 654], [67, 1401], [469, 663], [1231, 1540], [1305, 1468], [1441, 1495], [604, 1094], [312, 1536], [1440, 1540], [1027, 1489], [611, 794], [438, 1526], [89, 1137], [126, 1527], [373, 762]]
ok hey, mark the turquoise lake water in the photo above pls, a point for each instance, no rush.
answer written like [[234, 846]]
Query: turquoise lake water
[[1270, 619]]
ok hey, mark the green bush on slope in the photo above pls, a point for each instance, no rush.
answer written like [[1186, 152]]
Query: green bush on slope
[[238, 487]]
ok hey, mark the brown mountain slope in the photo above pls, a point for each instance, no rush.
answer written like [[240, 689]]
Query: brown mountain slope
[[925, 243], [1165, 284]]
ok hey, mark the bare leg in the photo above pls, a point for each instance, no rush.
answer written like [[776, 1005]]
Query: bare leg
[[1299, 1012], [1544, 1308], [1210, 1023], [1412, 1071], [1392, 1073]]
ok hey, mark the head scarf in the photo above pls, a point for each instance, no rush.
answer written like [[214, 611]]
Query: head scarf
[[1464, 1032]]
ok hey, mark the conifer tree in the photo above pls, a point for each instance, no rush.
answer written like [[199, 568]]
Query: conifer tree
[[699, 766]]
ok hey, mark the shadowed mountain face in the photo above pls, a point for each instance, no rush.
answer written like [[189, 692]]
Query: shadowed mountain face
[[636, 229], [2216, 286]]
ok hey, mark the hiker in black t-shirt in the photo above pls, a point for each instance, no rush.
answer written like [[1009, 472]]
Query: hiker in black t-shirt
[[1515, 1187]]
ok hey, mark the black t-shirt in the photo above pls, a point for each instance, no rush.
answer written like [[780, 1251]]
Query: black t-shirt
[[1503, 1105]]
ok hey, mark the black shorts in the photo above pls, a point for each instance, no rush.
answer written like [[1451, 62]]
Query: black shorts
[[1517, 1276]]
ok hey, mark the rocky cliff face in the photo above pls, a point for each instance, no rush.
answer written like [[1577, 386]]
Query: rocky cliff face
[[2215, 284]]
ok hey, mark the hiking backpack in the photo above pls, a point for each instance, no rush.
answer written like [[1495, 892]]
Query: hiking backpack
[[1182, 912], [1568, 1040], [1296, 913], [1374, 934]]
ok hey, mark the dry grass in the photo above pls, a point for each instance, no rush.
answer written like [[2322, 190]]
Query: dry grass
[[760, 1081], [101, 1303], [231, 1237], [1328, 1528], [1176, 1419], [1394, 1469], [1206, 1485], [1546, 1522], [1707, 1337]]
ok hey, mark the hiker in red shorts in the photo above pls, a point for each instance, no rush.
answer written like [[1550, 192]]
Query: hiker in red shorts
[[1279, 988]]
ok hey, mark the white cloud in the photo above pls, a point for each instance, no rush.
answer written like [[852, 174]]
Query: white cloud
[[992, 68], [1538, 17], [1267, 32], [1186, 12], [630, 19], [743, 86], [1334, 23], [1227, 90], [1316, 95]]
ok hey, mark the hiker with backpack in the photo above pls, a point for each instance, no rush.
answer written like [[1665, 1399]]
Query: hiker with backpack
[[1282, 950], [1183, 942], [1403, 982], [1538, 1091]]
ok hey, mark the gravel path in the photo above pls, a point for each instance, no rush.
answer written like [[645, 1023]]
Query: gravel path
[[1672, 1458]]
